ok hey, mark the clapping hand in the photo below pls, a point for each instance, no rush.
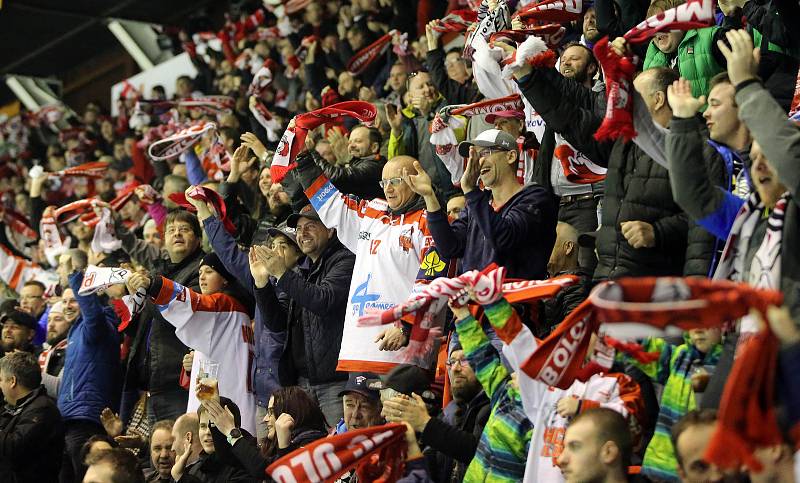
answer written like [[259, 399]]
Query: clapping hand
[[182, 458], [419, 183], [258, 267], [221, 417]]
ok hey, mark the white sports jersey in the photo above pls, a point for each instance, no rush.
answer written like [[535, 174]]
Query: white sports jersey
[[614, 391], [217, 327], [392, 253]]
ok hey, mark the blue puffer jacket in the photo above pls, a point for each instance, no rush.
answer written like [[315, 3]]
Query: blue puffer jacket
[[91, 367]]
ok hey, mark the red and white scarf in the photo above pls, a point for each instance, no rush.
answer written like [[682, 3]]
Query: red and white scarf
[[94, 170], [18, 222], [105, 239], [377, 454], [619, 71], [683, 303], [179, 142], [54, 245], [204, 104], [209, 196], [266, 119], [366, 56], [444, 124], [456, 21], [551, 11], [262, 79], [551, 34], [293, 139], [422, 306]]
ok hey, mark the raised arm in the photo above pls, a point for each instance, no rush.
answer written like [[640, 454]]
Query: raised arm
[[710, 206]]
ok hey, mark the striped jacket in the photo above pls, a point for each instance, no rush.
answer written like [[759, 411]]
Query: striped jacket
[[674, 371], [503, 447]]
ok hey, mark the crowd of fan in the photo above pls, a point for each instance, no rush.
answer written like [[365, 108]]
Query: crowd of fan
[[104, 387]]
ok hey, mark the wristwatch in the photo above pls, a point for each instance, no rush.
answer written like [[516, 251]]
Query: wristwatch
[[234, 435]]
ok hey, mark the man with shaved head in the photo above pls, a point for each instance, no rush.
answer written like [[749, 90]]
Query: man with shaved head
[[394, 251], [563, 261]]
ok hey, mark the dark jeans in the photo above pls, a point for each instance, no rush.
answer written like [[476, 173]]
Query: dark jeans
[[166, 405], [76, 433], [582, 215]]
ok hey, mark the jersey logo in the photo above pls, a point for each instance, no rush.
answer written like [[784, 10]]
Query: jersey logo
[[364, 235], [405, 239], [361, 297], [432, 264]]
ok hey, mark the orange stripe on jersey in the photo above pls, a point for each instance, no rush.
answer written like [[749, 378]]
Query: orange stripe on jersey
[[365, 366], [316, 186], [215, 302], [14, 281]]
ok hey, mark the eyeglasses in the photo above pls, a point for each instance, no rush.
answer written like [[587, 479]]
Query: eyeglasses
[[183, 230], [457, 362], [391, 181], [489, 151]]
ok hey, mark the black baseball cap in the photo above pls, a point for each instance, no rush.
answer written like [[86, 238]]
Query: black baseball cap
[[359, 382], [305, 212], [20, 318], [407, 379]]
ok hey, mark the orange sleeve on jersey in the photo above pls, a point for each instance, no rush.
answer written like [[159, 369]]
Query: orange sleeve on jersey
[[218, 302]]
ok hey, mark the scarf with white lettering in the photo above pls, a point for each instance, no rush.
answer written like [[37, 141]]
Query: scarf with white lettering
[[765, 269], [628, 305], [551, 11], [179, 142], [377, 454], [619, 71], [366, 56], [97, 278], [293, 139], [551, 34]]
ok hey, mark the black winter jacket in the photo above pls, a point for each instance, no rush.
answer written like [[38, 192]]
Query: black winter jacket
[[453, 438], [454, 92], [31, 440], [359, 178], [636, 189], [158, 368], [317, 300], [554, 310]]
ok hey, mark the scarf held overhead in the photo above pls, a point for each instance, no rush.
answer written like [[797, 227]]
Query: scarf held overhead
[[366, 56], [293, 139], [664, 302], [421, 307], [377, 454], [619, 71], [179, 142]]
